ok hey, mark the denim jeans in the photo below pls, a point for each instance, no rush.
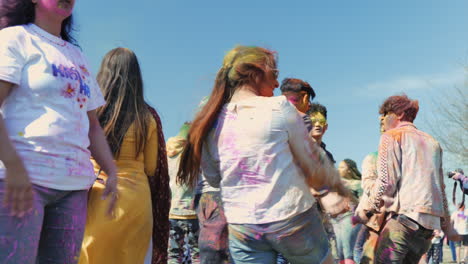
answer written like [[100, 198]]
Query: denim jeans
[[300, 239], [453, 250], [399, 244], [51, 233], [361, 238], [346, 235]]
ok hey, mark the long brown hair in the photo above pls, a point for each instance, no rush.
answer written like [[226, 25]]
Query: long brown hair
[[241, 66], [122, 86], [354, 173]]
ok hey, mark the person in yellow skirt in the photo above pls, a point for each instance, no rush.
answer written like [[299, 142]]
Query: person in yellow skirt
[[132, 134]]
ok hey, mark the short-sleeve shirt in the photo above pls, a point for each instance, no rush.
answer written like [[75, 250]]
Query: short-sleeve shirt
[[46, 111], [460, 222]]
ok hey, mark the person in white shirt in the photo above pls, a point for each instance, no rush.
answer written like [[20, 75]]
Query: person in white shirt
[[48, 130], [459, 220], [257, 149]]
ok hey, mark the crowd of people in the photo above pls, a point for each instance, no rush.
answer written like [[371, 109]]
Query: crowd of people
[[86, 175]]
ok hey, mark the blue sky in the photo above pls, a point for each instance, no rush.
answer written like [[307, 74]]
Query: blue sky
[[353, 53]]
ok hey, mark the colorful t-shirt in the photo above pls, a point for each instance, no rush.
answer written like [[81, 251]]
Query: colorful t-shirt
[[46, 111]]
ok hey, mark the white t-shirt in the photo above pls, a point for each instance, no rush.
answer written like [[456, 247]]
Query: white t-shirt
[[253, 153], [46, 112], [460, 222]]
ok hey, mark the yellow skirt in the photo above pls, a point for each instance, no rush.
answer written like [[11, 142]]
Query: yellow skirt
[[125, 237]]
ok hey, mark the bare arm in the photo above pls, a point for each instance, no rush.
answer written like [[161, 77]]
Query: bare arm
[[18, 189], [102, 154], [8, 153]]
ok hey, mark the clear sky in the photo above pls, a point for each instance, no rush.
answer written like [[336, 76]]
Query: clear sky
[[353, 53]]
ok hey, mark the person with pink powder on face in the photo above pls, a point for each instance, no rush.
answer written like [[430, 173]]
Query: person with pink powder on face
[[48, 131]]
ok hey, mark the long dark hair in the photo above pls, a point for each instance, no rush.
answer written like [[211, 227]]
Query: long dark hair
[[242, 65], [353, 169], [122, 86], [22, 12]]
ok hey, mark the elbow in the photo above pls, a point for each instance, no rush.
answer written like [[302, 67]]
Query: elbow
[[215, 184], [214, 181], [94, 124], [94, 128]]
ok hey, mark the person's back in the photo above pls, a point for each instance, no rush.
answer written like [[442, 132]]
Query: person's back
[[258, 150], [260, 182], [131, 227], [420, 158], [183, 234], [132, 129], [409, 185], [129, 162], [182, 205]]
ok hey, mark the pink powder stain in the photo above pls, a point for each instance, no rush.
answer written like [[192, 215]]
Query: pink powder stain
[[249, 174], [258, 236], [13, 252]]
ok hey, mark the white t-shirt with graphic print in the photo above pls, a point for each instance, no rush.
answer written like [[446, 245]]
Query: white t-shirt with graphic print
[[46, 111]]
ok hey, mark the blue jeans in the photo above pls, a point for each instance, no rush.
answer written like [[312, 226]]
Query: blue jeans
[[346, 235], [51, 233], [453, 250], [362, 236], [300, 239]]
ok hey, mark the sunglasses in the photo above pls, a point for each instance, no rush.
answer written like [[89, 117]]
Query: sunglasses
[[321, 121]]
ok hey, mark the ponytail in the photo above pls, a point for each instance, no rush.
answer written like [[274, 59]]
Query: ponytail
[[190, 160]]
